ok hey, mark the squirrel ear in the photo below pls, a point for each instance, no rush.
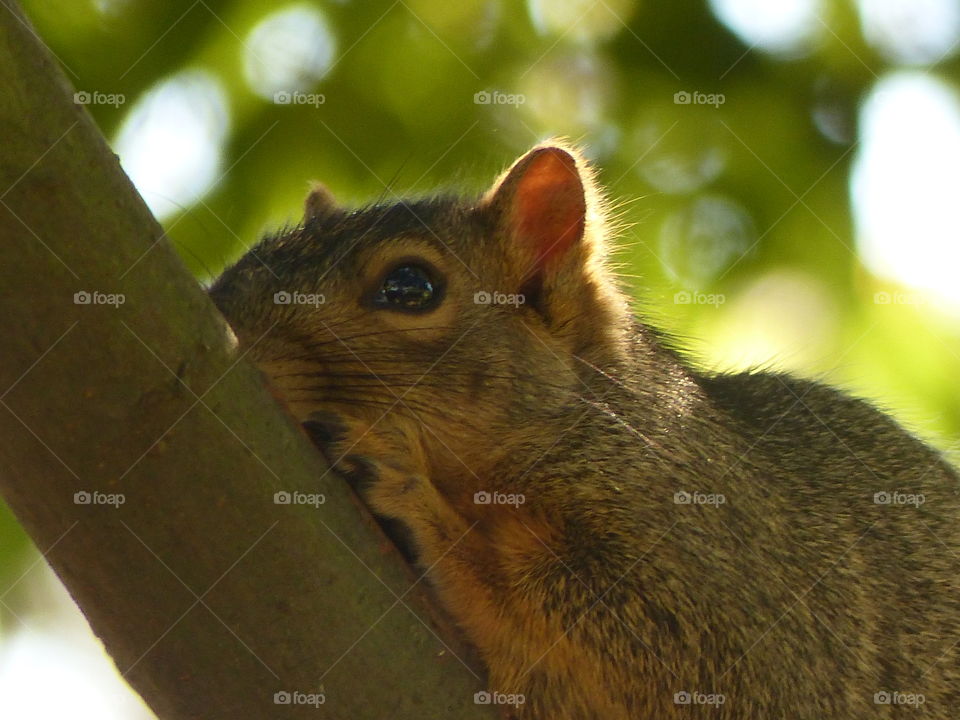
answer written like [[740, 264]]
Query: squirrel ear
[[319, 202], [543, 204], [551, 224]]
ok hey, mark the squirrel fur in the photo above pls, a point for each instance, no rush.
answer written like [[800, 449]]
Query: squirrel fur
[[607, 592]]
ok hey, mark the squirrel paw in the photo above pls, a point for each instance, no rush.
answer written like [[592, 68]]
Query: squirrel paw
[[383, 462]]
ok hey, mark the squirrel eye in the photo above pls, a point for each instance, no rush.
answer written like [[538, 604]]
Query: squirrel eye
[[407, 287]]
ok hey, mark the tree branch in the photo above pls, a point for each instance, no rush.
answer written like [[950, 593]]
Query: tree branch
[[210, 597]]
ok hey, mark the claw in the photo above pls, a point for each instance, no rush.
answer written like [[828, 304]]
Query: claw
[[324, 427]]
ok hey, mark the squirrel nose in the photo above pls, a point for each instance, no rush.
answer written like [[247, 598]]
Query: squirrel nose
[[219, 292]]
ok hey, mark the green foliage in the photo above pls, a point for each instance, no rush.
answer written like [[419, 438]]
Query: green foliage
[[745, 200]]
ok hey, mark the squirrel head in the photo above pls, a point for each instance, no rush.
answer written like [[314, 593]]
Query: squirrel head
[[476, 319]]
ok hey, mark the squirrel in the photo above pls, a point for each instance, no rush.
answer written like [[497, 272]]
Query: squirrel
[[617, 534]]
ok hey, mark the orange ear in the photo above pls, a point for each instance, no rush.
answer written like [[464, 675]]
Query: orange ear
[[544, 202]]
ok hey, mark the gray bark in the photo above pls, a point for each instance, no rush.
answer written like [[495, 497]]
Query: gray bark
[[209, 596]]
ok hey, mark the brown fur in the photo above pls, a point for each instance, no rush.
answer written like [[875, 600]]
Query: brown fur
[[599, 596]]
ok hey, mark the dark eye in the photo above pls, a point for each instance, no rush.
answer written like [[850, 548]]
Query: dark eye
[[407, 287]]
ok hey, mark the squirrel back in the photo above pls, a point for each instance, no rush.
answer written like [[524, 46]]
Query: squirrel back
[[619, 535]]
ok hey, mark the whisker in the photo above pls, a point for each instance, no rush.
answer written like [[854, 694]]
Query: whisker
[[376, 333]]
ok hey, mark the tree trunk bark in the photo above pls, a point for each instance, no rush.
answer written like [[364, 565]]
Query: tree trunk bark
[[142, 454]]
